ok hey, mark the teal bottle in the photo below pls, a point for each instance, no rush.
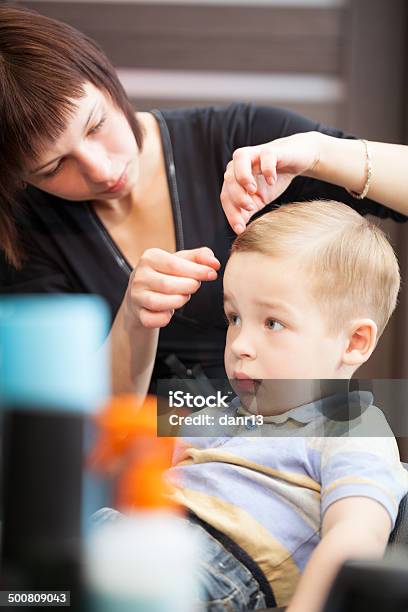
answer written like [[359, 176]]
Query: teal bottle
[[54, 372]]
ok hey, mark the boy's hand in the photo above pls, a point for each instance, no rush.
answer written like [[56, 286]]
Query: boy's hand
[[163, 282], [258, 175]]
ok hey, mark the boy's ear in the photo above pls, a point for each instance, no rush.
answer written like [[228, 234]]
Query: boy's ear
[[361, 341]]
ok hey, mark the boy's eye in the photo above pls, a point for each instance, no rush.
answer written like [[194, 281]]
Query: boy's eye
[[232, 318], [273, 325]]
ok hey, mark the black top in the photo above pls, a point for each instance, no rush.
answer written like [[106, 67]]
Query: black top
[[70, 251]]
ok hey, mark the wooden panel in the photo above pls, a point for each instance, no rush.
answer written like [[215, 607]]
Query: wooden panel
[[376, 74], [202, 37], [328, 114], [376, 68]]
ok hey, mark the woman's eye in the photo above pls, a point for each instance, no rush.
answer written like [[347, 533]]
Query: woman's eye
[[54, 171], [274, 325], [97, 127], [92, 131]]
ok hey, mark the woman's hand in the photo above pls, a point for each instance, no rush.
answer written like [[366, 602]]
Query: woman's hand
[[163, 282], [258, 175]]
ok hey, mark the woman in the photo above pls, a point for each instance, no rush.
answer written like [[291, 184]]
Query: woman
[[119, 204]]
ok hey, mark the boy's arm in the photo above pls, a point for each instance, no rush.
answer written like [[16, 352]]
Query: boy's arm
[[353, 527]]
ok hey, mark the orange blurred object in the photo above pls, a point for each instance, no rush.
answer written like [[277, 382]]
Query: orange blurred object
[[129, 447]]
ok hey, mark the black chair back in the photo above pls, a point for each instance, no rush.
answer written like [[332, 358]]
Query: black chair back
[[399, 534]]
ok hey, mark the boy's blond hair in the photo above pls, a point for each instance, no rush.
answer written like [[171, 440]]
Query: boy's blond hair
[[353, 268]]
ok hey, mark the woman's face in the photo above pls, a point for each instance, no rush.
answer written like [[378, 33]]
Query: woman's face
[[95, 158]]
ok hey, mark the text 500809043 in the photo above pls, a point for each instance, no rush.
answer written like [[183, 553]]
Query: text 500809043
[[35, 598]]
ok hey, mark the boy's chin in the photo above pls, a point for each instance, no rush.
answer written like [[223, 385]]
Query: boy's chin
[[249, 402]]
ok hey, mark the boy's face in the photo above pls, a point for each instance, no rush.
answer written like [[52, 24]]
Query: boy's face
[[275, 327]]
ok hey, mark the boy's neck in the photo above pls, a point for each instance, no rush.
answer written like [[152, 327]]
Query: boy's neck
[[278, 396]]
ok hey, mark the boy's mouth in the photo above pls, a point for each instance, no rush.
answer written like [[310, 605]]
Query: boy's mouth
[[242, 383]]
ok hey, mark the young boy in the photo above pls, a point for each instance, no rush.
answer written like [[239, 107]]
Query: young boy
[[309, 289]]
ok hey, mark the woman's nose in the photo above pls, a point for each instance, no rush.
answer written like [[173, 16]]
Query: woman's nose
[[95, 165]]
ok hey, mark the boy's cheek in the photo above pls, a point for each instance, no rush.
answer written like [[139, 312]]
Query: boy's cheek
[[228, 362]]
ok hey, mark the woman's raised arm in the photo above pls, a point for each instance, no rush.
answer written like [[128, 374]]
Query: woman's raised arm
[[258, 175], [343, 162]]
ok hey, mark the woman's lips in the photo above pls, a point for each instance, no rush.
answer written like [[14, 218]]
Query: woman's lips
[[120, 183]]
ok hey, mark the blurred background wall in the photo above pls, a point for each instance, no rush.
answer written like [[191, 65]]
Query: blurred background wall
[[341, 62]]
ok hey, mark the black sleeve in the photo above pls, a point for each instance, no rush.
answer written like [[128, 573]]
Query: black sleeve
[[248, 125], [41, 271], [37, 275]]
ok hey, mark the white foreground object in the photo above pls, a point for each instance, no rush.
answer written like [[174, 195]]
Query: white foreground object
[[145, 562]]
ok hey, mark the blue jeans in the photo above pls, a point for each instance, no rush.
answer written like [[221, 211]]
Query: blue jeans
[[226, 584]]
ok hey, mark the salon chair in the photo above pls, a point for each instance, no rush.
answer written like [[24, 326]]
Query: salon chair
[[373, 586]]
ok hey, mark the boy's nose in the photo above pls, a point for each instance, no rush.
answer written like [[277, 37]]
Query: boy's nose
[[243, 346]]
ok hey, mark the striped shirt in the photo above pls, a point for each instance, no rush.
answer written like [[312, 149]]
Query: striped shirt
[[269, 492]]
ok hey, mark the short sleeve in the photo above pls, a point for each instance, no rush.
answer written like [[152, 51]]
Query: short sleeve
[[42, 270], [38, 275], [363, 467]]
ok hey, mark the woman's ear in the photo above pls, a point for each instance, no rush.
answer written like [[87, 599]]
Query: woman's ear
[[360, 343]]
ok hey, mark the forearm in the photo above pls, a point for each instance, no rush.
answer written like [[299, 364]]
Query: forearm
[[133, 350], [341, 543], [343, 162]]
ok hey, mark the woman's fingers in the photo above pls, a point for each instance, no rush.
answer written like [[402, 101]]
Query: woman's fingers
[[239, 206], [199, 264], [247, 178], [155, 319], [158, 302], [237, 217], [232, 211], [202, 256], [170, 285], [246, 166], [268, 161], [236, 187], [259, 174], [162, 282], [250, 162]]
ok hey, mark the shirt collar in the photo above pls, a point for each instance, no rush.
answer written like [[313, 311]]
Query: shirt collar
[[356, 402]]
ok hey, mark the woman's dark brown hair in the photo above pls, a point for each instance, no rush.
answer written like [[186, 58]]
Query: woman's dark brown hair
[[43, 66]]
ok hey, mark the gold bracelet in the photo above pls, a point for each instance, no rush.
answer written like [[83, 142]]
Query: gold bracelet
[[369, 173]]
